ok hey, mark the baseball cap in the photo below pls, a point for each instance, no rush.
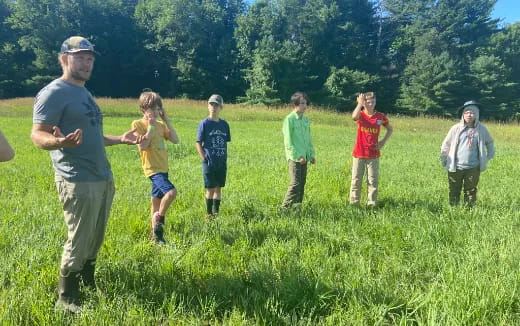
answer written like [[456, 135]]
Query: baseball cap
[[468, 103], [215, 98], [76, 44]]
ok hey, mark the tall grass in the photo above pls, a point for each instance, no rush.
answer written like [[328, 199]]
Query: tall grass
[[412, 261]]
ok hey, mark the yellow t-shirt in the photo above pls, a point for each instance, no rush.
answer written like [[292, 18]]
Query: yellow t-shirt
[[154, 159]]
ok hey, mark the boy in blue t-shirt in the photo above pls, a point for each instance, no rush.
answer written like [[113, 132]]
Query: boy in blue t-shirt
[[212, 137]]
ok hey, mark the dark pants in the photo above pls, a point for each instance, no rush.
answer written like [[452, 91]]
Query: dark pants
[[214, 176], [298, 177], [467, 178]]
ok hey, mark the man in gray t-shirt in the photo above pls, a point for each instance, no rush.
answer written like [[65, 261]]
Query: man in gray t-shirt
[[71, 107], [68, 123]]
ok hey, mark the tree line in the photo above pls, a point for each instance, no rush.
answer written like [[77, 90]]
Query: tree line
[[419, 56]]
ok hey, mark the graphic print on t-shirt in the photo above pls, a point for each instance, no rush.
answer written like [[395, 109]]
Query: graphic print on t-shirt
[[367, 135], [218, 143], [93, 112], [214, 136]]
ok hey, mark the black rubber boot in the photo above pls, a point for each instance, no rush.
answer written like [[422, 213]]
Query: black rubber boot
[[69, 293], [87, 274]]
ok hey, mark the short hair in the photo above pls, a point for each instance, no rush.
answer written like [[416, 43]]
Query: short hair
[[297, 97], [370, 95], [149, 99]]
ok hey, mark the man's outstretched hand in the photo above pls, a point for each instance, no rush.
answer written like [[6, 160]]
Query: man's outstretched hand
[[73, 139]]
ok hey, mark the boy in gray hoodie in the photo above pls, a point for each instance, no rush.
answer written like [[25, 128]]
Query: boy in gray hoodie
[[465, 153]]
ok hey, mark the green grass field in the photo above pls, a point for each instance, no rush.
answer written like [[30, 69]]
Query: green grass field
[[413, 261]]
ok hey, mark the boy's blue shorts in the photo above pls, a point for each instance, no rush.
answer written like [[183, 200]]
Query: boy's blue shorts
[[160, 185], [213, 176]]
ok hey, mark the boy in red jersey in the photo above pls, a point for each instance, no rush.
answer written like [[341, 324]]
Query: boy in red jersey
[[366, 150]]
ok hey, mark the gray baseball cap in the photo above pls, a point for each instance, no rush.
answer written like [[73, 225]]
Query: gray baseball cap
[[215, 98]]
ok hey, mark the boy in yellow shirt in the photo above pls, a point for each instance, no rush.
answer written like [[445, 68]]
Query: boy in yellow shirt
[[154, 157]]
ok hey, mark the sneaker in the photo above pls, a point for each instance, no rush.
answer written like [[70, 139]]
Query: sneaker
[[158, 230], [158, 233], [209, 217]]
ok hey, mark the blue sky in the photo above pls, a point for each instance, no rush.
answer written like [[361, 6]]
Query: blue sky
[[508, 10]]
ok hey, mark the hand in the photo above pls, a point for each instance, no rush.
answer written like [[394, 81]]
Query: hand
[[162, 114], [380, 144], [313, 160], [130, 138], [73, 139], [302, 160], [361, 99]]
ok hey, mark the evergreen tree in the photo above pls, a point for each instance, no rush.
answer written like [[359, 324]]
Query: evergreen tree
[[505, 48], [12, 59], [422, 56], [491, 86], [42, 26], [442, 39], [300, 41], [196, 38], [344, 85]]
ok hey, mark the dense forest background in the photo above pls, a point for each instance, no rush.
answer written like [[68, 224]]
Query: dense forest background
[[420, 56]]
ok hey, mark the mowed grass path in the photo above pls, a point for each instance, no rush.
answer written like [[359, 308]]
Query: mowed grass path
[[414, 261]]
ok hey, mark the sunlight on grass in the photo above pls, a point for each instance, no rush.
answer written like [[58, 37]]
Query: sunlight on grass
[[415, 260]]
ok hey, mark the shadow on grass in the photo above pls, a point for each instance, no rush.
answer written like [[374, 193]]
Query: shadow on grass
[[269, 297], [252, 211], [328, 211], [433, 207]]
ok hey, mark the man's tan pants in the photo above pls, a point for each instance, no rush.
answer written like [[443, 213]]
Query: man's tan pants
[[86, 206]]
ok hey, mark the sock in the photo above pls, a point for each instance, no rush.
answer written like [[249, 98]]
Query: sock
[[209, 205], [159, 218], [216, 205]]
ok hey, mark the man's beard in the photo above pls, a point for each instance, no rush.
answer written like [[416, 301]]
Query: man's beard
[[79, 76]]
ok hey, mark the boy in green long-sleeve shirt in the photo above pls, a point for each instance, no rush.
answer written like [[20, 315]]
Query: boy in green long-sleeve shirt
[[298, 148]]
